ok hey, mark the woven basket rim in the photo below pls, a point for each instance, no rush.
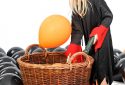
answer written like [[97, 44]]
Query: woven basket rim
[[52, 66]]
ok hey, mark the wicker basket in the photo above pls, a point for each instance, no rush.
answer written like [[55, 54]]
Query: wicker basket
[[50, 68]]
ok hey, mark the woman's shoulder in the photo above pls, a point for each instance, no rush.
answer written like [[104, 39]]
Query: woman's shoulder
[[95, 2]]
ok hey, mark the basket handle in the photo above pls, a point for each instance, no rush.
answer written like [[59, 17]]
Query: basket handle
[[86, 57], [29, 47]]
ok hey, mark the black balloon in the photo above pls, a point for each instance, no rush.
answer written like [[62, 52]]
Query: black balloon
[[59, 49], [116, 52], [7, 59], [121, 65], [123, 76], [2, 54], [119, 62], [122, 55], [6, 64], [18, 54], [13, 70], [38, 50], [51, 49], [1, 50], [32, 49], [118, 77], [66, 47], [13, 50], [10, 79]]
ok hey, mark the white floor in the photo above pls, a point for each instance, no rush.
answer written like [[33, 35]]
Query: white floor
[[117, 83]]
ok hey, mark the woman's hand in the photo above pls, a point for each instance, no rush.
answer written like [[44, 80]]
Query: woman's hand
[[99, 33], [73, 48]]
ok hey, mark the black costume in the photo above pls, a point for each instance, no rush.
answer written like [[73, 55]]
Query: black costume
[[98, 14]]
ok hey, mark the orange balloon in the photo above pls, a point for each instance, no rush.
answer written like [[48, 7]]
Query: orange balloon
[[54, 31]]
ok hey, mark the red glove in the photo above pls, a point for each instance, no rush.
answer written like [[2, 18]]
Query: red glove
[[101, 32], [73, 48]]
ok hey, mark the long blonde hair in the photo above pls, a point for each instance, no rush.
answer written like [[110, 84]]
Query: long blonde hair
[[79, 6]]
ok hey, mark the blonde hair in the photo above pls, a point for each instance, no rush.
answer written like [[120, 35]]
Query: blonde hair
[[79, 6]]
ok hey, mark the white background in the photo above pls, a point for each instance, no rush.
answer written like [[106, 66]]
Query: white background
[[20, 20]]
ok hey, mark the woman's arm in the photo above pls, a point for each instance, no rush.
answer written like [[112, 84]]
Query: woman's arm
[[106, 14], [105, 21], [76, 36], [77, 31]]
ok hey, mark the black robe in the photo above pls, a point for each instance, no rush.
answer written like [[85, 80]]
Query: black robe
[[98, 14]]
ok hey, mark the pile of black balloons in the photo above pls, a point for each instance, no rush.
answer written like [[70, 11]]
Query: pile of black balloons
[[9, 69], [119, 60]]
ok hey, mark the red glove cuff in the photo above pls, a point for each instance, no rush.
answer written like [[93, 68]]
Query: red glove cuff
[[73, 48], [101, 32]]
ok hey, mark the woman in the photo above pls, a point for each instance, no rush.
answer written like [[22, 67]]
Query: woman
[[93, 18]]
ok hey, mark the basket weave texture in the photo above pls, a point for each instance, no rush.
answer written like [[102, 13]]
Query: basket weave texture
[[50, 68]]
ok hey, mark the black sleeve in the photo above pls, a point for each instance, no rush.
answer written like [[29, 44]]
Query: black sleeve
[[76, 34], [106, 14]]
